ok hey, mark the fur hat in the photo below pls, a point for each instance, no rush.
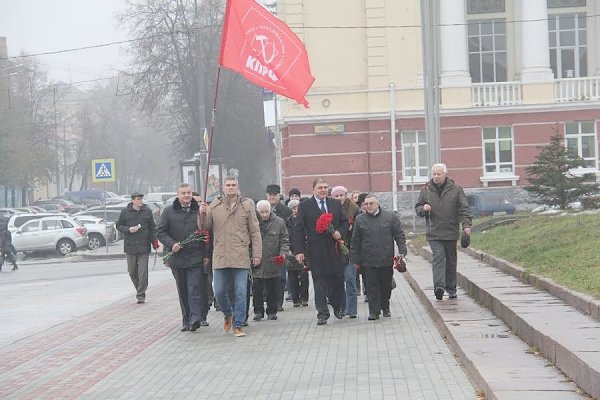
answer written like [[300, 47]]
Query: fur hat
[[293, 203], [465, 240], [273, 189]]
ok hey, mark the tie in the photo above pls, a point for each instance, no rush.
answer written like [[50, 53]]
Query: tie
[[323, 210]]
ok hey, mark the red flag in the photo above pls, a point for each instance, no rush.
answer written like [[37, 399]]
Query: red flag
[[261, 47]]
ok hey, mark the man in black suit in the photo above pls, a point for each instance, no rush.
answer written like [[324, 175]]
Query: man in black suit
[[319, 249]]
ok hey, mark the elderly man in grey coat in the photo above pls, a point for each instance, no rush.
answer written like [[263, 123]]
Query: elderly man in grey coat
[[275, 248], [443, 204], [372, 250]]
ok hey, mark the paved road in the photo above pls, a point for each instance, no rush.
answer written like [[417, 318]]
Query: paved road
[[46, 294], [73, 330]]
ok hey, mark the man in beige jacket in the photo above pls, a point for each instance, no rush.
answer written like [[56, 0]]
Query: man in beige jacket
[[236, 233]]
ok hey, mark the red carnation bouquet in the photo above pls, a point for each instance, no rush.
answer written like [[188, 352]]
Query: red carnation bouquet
[[279, 260], [194, 237], [324, 225]]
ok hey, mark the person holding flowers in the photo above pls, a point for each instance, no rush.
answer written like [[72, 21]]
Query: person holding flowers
[[322, 248], [372, 251], [351, 211], [266, 276], [187, 252], [236, 245]]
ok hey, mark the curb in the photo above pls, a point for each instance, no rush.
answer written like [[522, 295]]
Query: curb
[[580, 371], [582, 302]]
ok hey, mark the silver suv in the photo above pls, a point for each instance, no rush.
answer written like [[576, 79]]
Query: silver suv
[[63, 234]]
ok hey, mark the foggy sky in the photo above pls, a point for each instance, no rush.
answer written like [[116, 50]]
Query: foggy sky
[[36, 26]]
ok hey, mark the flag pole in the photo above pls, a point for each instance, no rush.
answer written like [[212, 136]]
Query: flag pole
[[210, 139]]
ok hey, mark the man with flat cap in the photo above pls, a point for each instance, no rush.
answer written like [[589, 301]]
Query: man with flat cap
[[137, 224], [284, 212]]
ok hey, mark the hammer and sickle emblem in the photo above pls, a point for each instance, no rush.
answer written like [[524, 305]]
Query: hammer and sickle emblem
[[268, 50]]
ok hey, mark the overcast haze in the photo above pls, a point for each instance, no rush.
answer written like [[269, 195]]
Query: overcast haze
[[38, 26]]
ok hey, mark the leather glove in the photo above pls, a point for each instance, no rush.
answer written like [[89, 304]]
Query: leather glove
[[155, 244]]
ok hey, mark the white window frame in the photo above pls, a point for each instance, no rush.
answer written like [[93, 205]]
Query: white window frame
[[418, 163], [579, 136], [577, 47], [498, 164], [494, 52]]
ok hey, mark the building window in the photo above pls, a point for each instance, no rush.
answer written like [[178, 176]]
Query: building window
[[487, 50], [414, 155], [568, 44], [565, 3], [485, 6], [498, 150], [581, 140]]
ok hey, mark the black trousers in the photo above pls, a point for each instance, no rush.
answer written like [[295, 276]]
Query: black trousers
[[379, 287], [298, 285], [331, 285], [272, 287], [191, 288]]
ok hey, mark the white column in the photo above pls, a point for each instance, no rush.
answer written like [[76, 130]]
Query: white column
[[535, 46], [453, 38], [597, 39]]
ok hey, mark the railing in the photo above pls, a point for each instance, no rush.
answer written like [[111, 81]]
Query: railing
[[577, 89], [496, 94]]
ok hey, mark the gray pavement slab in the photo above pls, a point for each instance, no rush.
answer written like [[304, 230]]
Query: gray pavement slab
[[126, 351], [498, 361], [567, 337]]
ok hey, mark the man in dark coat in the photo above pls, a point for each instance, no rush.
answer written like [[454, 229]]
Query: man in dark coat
[[7, 249], [443, 204], [322, 256], [178, 223], [137, 224], [372, 251]]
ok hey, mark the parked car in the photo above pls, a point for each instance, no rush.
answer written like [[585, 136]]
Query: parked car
[[17, 220], [158, 197], [119, 206], [10, 211], [51, 206], [99, 232], [63, 234], [483, 204], [69, 206]]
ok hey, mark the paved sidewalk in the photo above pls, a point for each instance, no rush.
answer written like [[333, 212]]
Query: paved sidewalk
[[131, 351]]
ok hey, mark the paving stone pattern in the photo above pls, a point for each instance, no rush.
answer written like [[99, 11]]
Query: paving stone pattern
[[130, 351]]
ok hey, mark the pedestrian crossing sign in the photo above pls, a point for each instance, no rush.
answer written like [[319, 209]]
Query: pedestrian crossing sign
[[103, 170]]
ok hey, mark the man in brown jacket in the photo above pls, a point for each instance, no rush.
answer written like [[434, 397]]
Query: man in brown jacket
[[235, 233]]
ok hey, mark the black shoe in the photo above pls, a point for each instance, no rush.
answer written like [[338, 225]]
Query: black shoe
[[272, 317], [258, 317], [452, 296], [296, 304], [195, 326], [373, 317], [204, 323], [288, 298], [304, 303], [338, 314], [139, 301], [321, 321], [387, 313], [439, 293], [15, 268], [353, 316], [185, 328]]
